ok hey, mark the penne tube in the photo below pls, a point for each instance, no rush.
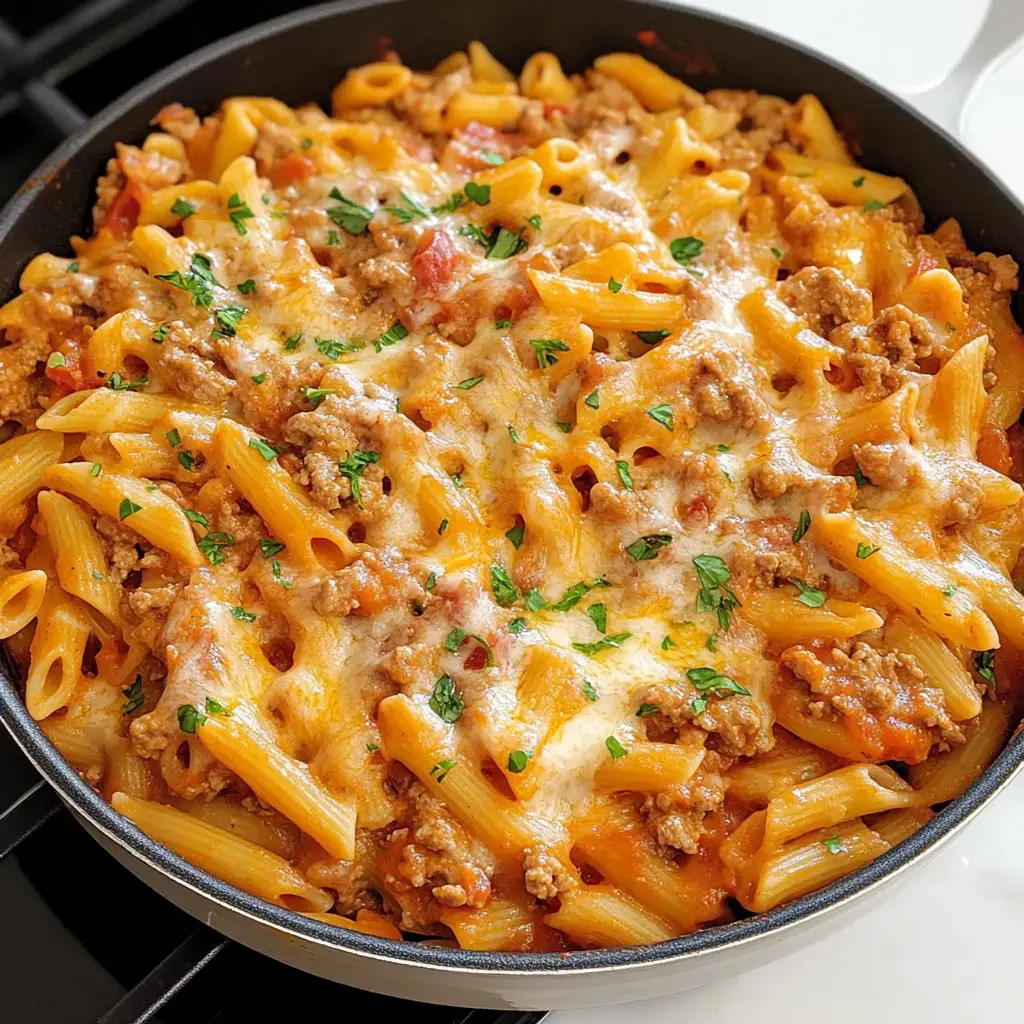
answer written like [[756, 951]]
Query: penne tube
[[542, 78], [812, 862], [680, 151], [650, 768], [23, 461], [785, 620], [102, 411], [57, 651], [789, 763], [849, 792], [501, 112], [283, 782], [895, 826], [21, 597], [151, 514], [778, 328], [485, 67], [273, 833], [599, 307], [312, 535], [240, 863], [654, 88], [917, 586], [81, 562], [956, 404], [372, 85], [601, 915], [838, 182], [618, 261], [366, 921], [561, 161], [512, 182], [940, 665], [813, 128], [501, 925]]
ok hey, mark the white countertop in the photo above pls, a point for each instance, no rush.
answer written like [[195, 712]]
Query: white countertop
[[946, 945]]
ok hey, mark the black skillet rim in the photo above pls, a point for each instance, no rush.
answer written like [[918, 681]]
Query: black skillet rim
[[101, 815]]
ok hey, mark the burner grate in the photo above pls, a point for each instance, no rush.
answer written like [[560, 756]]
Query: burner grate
[[92, 943]]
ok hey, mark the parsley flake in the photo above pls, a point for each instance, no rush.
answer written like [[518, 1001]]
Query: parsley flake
[[349, 216], [614, 286], [242, 615], [606, 643], [652, 337], [515, 535], [646, 548], [446, 701], [803, 524], [810, 596], [468, 384], [662, 414], [189, 717], [545, 349], [518, 760], [866, 550], [624, 474], [505, 591], [127, 508], [352, 469], [136, 698], [599, 616], [615, 748], [182, 208], [268, 451]]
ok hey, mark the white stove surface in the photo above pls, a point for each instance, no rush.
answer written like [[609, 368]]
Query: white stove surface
[[946, 945]]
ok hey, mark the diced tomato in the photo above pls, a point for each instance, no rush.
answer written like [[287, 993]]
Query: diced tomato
[[994, 449], [123, 214], [71, 375], [477, 660], [290, 169], [647, 37], [435, 260]]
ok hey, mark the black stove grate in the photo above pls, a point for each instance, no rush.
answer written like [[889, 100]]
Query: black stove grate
[[82, 941]]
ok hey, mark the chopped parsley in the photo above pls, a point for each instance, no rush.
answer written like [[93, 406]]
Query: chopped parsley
[[574, 594], [494, 159], [292, 343], [652, 337], [159, 336], [451, 204], [136, 698], [714, 595], [777, 253], [502, 324], [545, 349], [857, 182], [96, 469], [866, 550], [599, 616], [214, 707], [604, 644], [515, 535], [268, 451], [503, 244], [316, 395], [127, 508], [985, 666], [534, 600], [307, 143], [456, 637], [406, 213], [269, 548], [187, 460], [442, 528], [199, 282], [55, 359], [505, 591], [258, 378], [685, 250], [950, 590], [228, 318], [332, 348], [517, 625], [275, 568], [333, 238], [74, 266], [803, 524], [518, 759], [588, 690], [565, 428], [371, 747], [182, 208], [593, 399], [810, 596], [647, 709], [242, 615], [624, 475], [442, 768], [662, 414], [512, 433], [468, 384], [247, 287], [710, 680], [396, 332], [614, 286], [213, 544], [833, 844], [189, 717], [349, 216], [446, 701], [668, 644], [196, 517], [712, 643], [615, 748], [479, 194], [352, 469], [118, 383], [238, 213], [873, 204], [534, 221], [646, 548]]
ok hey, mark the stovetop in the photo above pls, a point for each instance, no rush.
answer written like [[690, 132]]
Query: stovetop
[[82, 941]]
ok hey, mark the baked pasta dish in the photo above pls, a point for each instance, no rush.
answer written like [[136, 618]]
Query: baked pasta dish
[[529, 511]]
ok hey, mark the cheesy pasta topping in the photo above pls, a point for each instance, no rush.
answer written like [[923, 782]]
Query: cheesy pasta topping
[[542, 511]]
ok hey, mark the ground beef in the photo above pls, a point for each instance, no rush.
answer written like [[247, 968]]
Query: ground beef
[[107, 188], [825, 299], [883, 697], [893, 467], [194, 376], [764, 553], [437, 853], [126, 551], [761, 126], [377, 578], [350, 879], [544, 875], [676, 818], [720, 389]]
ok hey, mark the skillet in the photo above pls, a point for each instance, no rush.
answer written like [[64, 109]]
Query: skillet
[[299, 58]]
